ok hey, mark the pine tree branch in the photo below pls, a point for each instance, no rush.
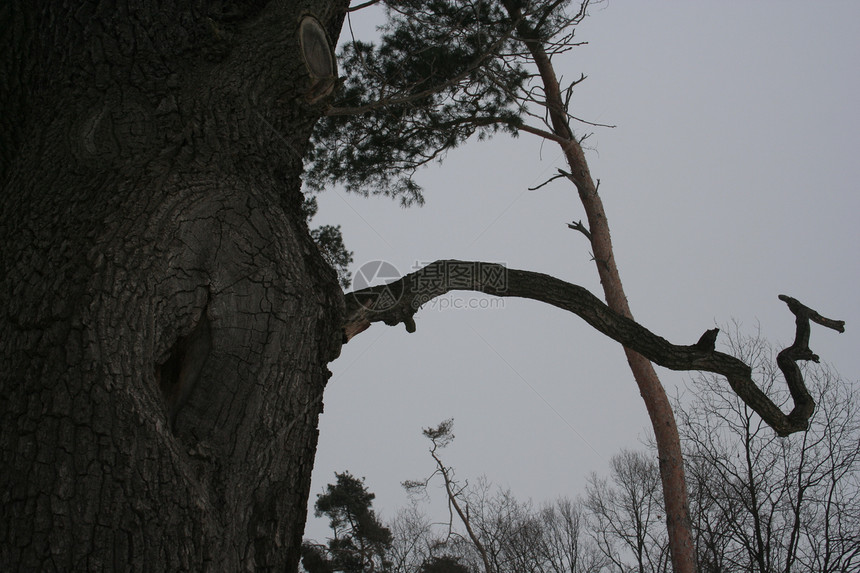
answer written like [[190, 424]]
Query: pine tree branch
[[403, 97], [543, 133], [399, 301]]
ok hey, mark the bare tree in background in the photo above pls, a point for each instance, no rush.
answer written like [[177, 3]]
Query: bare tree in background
[[626, 513], [764, 503], [565, 544], [711, 518], [760, 503], [413, 540], [493, 532]]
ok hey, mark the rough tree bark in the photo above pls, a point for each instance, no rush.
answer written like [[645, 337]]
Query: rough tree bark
[[152, 237]]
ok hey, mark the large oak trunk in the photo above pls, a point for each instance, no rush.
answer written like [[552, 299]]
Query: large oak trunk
[[166, 319]]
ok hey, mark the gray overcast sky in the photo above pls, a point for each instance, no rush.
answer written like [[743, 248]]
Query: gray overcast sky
[[731, 177]]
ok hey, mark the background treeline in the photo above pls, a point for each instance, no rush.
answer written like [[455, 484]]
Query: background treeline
[[759, 503]]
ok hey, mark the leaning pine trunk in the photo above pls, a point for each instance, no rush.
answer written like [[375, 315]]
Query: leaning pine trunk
[[656, 401], [166, 319], [678, 525]]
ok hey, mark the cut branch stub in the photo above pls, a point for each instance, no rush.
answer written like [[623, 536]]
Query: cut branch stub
[[366, 306], [578, 226], [319, 58]]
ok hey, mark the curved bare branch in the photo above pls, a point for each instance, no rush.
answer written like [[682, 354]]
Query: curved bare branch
[[399, 301]]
